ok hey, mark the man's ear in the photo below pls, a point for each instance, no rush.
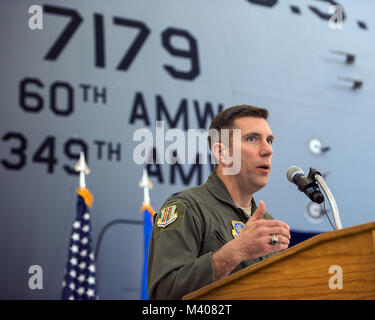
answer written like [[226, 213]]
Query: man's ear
[[215, 149], [221, 153]]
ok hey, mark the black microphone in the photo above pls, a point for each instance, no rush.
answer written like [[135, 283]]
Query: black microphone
[[305, 184]]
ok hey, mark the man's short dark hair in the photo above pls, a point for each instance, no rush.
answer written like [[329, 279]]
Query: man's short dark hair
[[225, 119]]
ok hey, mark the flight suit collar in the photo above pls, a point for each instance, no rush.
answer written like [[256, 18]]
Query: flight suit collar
[[218, 189]]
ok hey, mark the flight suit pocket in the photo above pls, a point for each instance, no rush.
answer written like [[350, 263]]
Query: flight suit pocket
[[219, 237], [214, 241]]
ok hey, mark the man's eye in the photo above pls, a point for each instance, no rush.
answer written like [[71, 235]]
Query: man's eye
[[270, 141], [251, 139]]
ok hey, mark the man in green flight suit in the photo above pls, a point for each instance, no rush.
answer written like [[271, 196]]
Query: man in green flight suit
[[204, 233]]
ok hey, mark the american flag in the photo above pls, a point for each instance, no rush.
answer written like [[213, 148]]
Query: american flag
[[79, 281]]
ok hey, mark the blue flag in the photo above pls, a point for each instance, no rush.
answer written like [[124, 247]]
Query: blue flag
[[79, 281], [148, 214]]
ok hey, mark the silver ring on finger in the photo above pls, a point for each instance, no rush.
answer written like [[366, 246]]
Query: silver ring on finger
[[274, 239]]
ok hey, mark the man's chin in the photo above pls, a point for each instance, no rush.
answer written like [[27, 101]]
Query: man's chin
[[262, 184]]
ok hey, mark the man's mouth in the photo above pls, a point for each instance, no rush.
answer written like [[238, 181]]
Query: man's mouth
[[264, 168]]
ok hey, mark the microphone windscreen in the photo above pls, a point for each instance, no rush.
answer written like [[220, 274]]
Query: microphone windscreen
[[292, 171]]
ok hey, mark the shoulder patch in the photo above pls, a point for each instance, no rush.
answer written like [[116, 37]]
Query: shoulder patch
[[173, 213], [167, 216], [237, 228]]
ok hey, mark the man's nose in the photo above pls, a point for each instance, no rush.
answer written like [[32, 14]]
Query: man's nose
[[266, 149]]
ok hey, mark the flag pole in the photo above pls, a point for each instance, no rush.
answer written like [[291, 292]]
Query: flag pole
[[146, 184], [82, 168]]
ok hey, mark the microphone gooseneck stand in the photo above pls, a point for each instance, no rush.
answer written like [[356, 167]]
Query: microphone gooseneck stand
[[316, 175]]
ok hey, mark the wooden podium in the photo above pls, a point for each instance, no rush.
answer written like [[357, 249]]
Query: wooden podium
[[303, 271]]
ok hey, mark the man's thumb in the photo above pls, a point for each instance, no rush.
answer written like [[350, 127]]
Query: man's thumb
[[258, 214]]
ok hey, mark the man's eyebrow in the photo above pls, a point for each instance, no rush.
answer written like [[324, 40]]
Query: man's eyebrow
[[257, 134], [252, 133]]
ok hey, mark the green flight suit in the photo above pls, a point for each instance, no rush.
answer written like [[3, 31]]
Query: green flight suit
[[190, 226]]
